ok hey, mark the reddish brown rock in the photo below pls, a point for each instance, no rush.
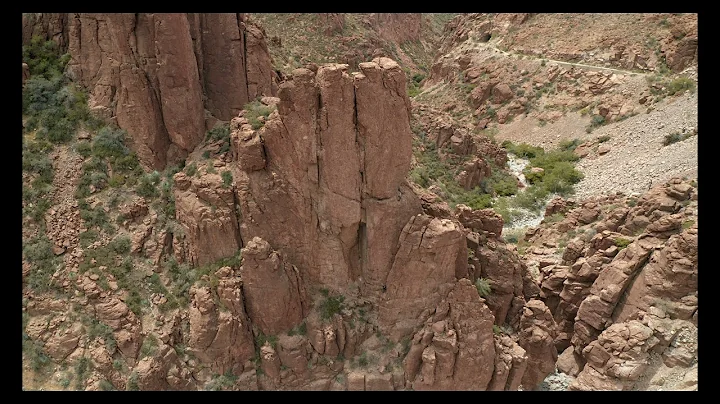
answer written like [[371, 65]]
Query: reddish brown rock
[[332, 194], [570, 362], [480, 220], [220, 338], [397, 27], [537, 337], [474, 171], [454, 356], [510, 364], [266, 271], [205, 208], [430, 252], [155, 74], [501, 93], [249, 150]]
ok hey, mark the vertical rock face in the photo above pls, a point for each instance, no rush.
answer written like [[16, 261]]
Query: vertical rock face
[[430, 251], [397, 27], [331, 194], [220, 40], [155, 74], [49, 26], [219, 337], [455, 350], [205, 209], [272, 287], [537, 337]]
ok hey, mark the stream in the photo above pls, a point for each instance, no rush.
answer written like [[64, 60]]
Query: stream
[[527, 218]]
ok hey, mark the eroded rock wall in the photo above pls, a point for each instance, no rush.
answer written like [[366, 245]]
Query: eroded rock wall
[[156, 74]]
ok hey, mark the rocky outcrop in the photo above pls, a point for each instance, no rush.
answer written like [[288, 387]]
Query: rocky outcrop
[[397, 27], [431, 253], [537, 337], [266, 273], [507, 275], [156, 74], [205, 208], [454, 348], [220, 335], [48, 26], [510, 364], [331, 195]]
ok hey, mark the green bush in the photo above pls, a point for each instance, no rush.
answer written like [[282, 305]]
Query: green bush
[[191, 169], [35, 161], [43, 57], [679, 85], [149, 346], [595, 121], [483, 287], [622, 242], [55, 110], [110, 143], [37, 251], [523, 150], [569, 145], [330, 306], [677, 137], [120, 244], [300, 329], [254, 110], [148, 185], [227, 178]]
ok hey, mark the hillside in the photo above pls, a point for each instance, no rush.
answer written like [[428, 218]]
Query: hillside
[[360, 202]]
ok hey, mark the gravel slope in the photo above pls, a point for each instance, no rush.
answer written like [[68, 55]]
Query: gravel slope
[[637, 158]]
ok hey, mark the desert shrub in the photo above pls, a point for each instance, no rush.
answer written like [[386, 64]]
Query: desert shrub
[[132, 383], [554, 218], [514, 235], [483, 287], [679, 85], [677, 137], [148, 185], [500, 183], [88, 237], [191, 169], [37, 251], [330, 306], [120, 244], [110, 143], [254, 110], [44, 58], [603, 139], [35, 160], [221, 382], [95, 217], [569, 145], [300, 329], [220, 133], [261, 339], [595, 121], [35, 353], [227, 178], [622, 242], [82, 370], [55, 109], [149, 346], [105, 385], [97, 329], [523, 150]]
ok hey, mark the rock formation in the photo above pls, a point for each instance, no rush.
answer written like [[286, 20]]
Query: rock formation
[[156, 74]]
